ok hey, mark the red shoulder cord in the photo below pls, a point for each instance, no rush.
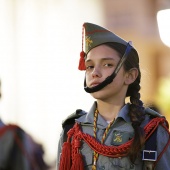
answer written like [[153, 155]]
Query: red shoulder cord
[[75, 135]]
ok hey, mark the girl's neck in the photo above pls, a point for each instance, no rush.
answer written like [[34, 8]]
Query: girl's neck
[[109, 111]]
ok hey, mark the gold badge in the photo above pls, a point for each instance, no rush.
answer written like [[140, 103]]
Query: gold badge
[[88, 41], [117, 137]]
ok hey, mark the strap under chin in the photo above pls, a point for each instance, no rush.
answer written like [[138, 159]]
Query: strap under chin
[[110, 78]]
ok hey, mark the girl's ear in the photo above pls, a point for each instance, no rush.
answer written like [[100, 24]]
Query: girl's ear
[[131, 76]]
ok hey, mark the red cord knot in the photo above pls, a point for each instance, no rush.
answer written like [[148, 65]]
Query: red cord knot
[[77, 143], [70, 133]]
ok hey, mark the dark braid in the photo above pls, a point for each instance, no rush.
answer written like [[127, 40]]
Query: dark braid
[[136, 113], [136, 109]]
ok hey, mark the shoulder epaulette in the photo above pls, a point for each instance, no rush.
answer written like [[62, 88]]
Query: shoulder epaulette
[[69, 122], [152, 113], [71, 118]]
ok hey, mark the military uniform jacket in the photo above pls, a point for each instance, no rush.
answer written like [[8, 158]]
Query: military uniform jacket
[[120, 132]]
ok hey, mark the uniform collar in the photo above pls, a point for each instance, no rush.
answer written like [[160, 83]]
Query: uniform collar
[[89, 117], [123, 113]]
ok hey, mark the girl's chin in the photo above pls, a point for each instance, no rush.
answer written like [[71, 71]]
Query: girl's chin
[[97, 95]]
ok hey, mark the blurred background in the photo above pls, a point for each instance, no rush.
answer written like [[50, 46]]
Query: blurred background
[[40, 42]]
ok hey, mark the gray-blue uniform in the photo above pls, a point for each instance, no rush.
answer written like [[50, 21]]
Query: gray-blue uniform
[[120, 132]]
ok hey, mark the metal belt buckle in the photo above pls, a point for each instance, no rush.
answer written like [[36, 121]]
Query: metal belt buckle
[[149, 155]]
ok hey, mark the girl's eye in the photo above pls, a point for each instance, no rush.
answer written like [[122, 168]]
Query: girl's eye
[[108, 65], [89, 67]]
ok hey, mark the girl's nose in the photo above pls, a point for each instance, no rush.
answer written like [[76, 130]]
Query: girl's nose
[[96, 72]]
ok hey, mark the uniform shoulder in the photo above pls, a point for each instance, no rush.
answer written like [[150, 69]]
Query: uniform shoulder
[[71, 118], [152, 113]]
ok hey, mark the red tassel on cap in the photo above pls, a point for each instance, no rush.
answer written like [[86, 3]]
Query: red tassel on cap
[[82, 61], [82, 54]]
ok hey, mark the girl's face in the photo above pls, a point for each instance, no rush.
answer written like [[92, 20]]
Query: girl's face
[[100, 63]]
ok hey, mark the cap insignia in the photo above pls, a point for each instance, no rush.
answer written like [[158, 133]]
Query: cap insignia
[[88, 41]]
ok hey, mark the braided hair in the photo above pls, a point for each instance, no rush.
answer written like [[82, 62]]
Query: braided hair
[[136, 108]]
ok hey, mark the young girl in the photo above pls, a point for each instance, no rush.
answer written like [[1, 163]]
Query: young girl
[[113, 134]]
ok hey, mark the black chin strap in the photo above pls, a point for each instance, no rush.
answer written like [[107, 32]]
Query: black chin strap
[[110, 78]]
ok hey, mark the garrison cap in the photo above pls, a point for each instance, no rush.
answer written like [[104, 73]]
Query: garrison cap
[[94, 35]]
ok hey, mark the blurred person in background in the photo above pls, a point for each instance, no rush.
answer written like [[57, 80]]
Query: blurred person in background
[[113, 134], [18, 150]]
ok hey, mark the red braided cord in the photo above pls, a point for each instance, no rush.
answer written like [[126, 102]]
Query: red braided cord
[[75, 140], [114, 151], [152, 125], [110, 151], [70, 134]]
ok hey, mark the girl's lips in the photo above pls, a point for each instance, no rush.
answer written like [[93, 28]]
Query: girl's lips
[[94, 84]]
